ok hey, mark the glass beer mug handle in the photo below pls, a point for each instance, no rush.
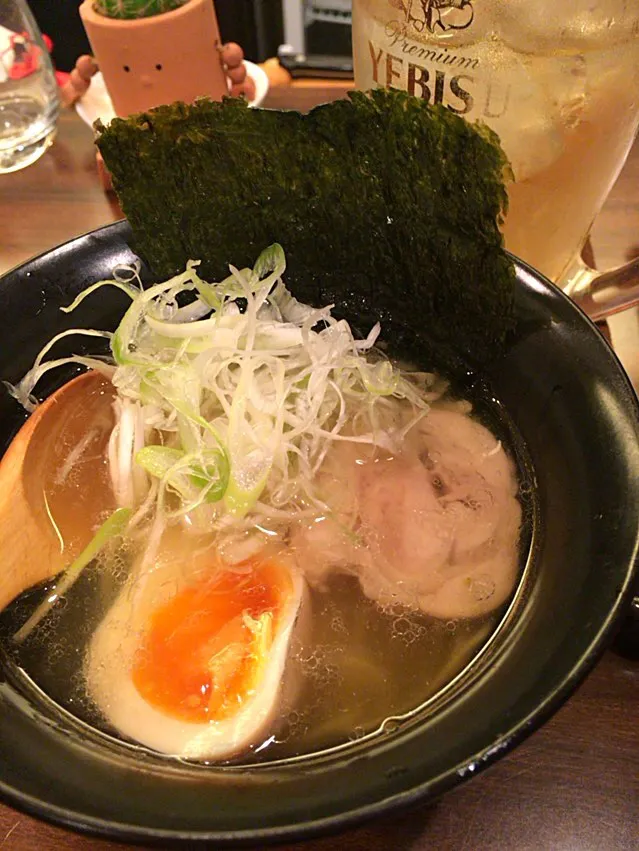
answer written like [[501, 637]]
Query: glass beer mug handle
[[602, 294]]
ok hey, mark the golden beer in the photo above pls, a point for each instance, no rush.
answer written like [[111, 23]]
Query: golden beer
[[558, 80]]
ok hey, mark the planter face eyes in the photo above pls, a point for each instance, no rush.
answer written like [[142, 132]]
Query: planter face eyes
[[143, 73], [127, 68], [157, 60]]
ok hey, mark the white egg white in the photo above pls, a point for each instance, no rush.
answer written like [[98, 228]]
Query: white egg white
[[110, 659]]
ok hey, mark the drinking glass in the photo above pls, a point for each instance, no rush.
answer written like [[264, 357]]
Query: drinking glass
[[29, 101], [558, 80]]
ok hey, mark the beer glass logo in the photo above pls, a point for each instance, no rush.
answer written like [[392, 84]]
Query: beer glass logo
[[435, 16]]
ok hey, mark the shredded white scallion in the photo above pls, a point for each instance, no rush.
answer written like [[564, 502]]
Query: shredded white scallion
[[230, 395]]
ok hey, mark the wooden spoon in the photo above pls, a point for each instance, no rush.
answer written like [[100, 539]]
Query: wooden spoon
[[54, 470]]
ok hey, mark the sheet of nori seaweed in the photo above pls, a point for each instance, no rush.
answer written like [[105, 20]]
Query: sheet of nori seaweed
[[385, 206]]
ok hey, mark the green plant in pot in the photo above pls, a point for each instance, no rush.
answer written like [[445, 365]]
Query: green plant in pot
[[128, 9], [153, 52]]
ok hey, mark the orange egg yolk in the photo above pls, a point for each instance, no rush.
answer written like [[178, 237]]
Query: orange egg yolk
[[205, 649]]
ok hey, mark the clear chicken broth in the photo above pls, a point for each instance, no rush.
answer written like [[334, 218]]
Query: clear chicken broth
[[356, 666]]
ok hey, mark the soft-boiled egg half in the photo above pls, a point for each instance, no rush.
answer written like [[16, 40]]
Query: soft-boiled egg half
[[190, 659]]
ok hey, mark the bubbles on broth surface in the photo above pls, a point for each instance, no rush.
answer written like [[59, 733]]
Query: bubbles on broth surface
[[356, 666], [379, 662]]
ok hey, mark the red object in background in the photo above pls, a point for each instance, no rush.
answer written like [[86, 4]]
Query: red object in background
[[25, 56], [61, 76]]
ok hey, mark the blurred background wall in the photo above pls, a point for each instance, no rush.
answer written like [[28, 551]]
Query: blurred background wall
[[255, 24]]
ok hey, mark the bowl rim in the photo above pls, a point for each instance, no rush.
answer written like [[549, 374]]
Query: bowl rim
[[519, 730]]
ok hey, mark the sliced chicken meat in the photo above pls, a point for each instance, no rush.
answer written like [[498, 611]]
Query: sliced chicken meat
[[435, 527]]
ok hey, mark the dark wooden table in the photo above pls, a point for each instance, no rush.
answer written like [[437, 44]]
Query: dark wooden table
[[574, 785]]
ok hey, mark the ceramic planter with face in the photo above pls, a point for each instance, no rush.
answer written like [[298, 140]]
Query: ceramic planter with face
[[160, 59]]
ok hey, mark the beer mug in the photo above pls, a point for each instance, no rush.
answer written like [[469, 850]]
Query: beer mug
[[558, 81]]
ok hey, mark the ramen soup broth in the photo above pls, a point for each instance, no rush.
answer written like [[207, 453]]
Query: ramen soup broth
[[355, 659]]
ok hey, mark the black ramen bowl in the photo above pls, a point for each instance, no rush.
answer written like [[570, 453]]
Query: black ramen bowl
[[574, 409]]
